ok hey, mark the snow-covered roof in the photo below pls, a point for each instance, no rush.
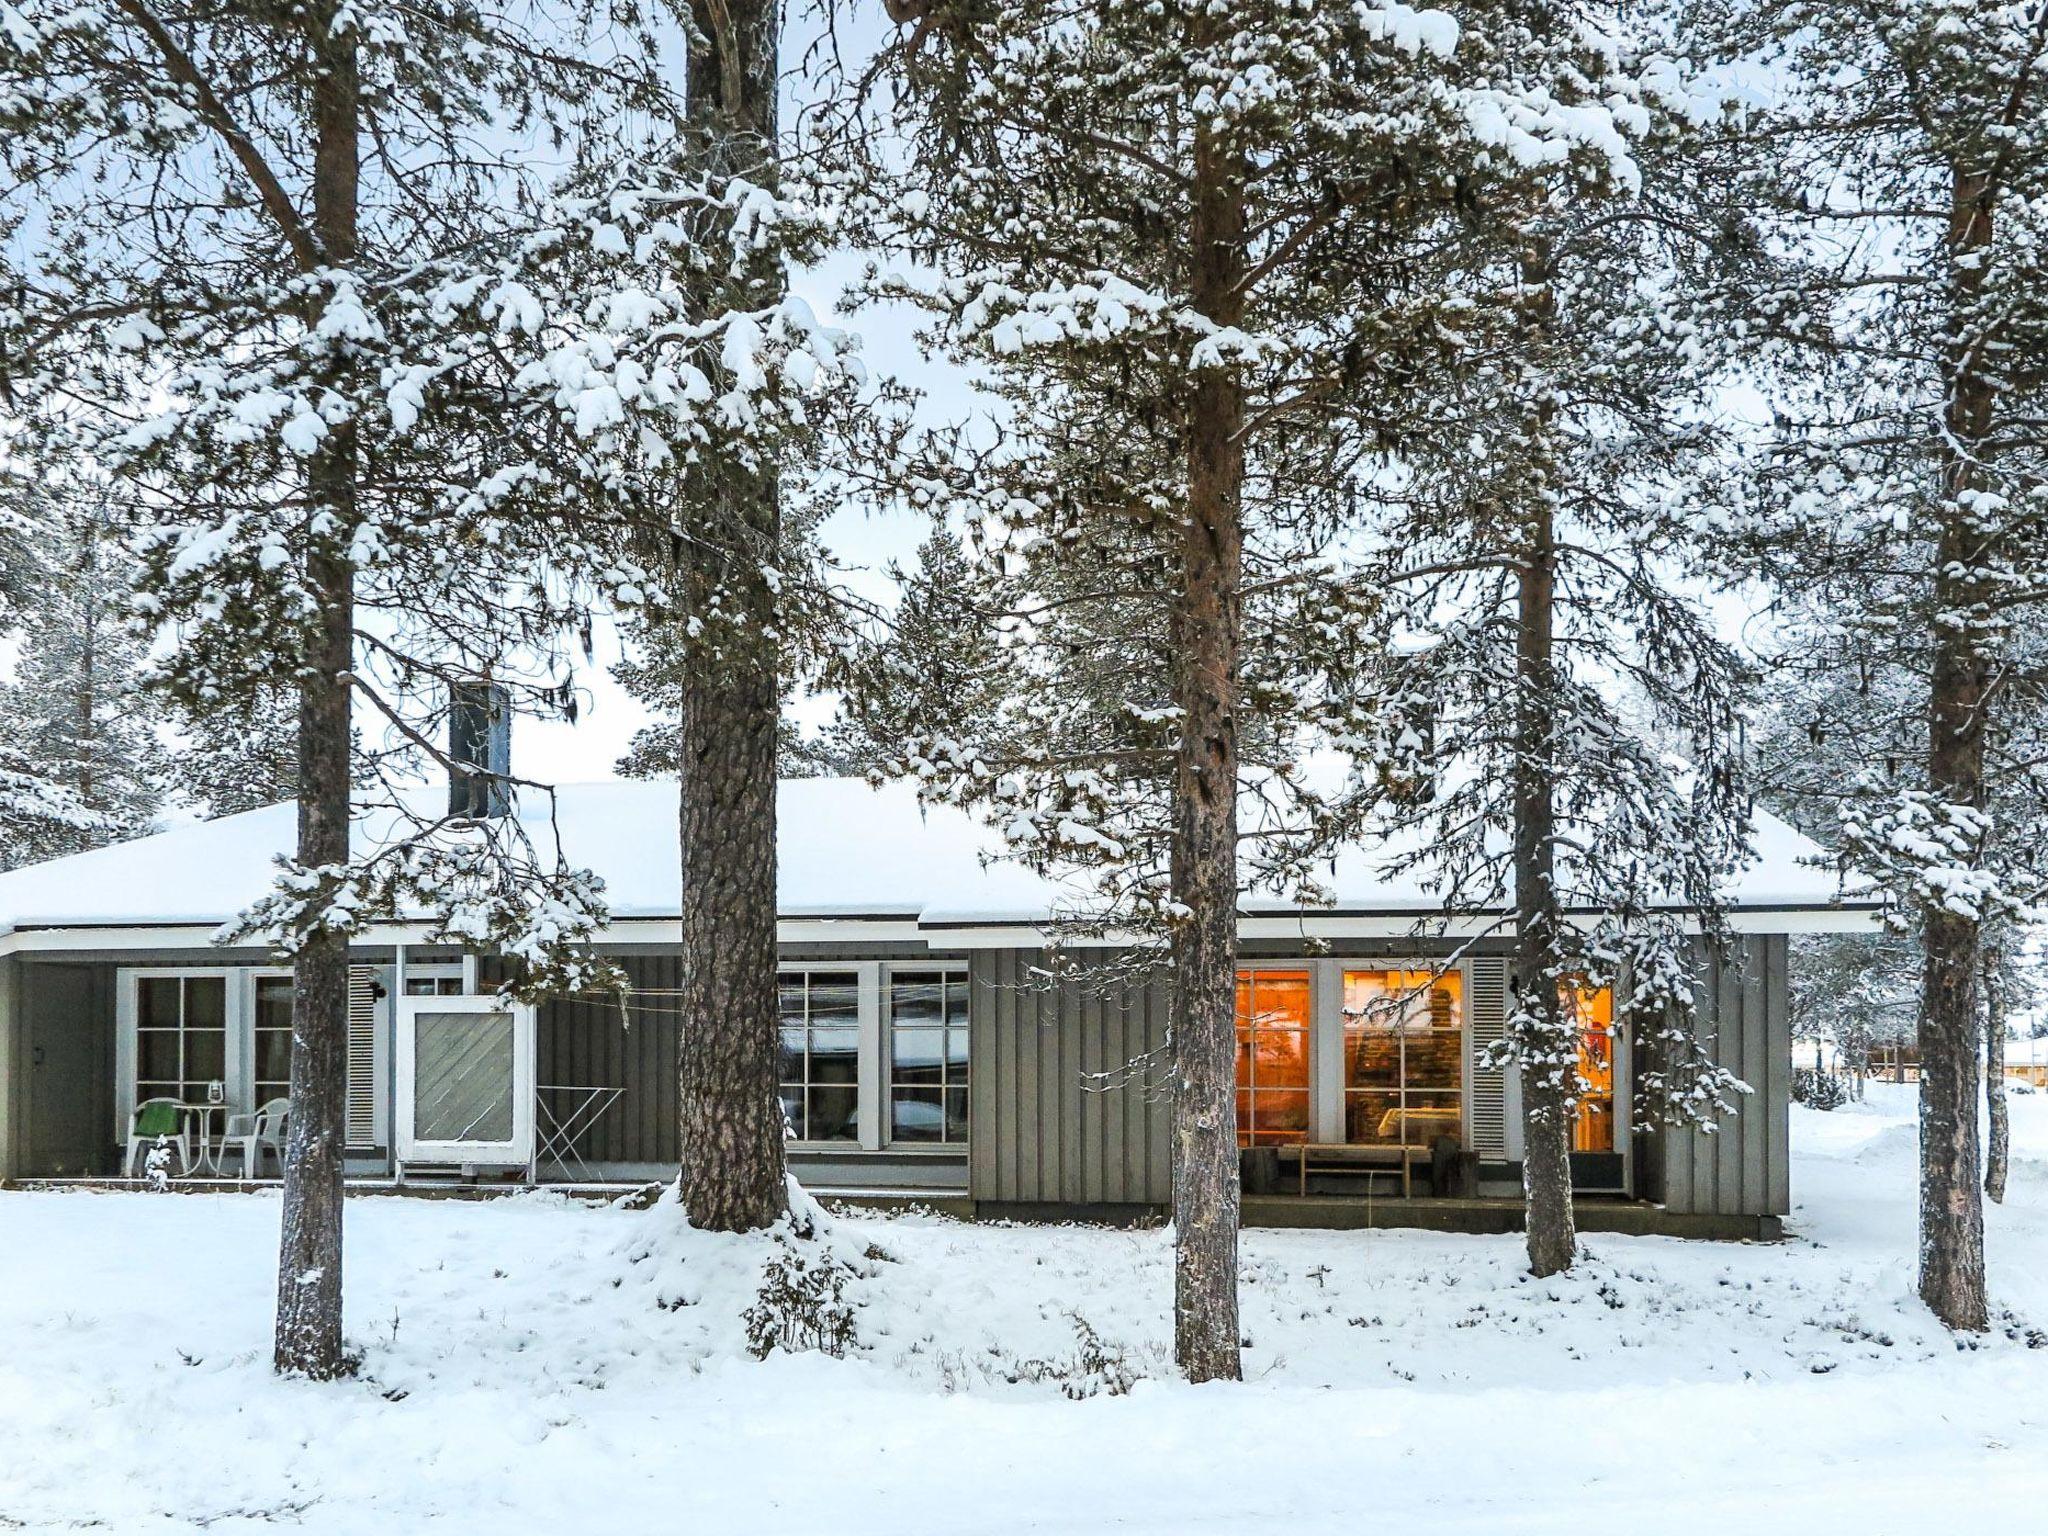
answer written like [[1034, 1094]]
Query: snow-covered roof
[[847, 850]]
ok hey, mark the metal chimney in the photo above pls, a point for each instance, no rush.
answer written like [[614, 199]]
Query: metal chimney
[[479, 749]]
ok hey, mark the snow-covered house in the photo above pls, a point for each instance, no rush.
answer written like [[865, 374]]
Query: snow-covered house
[[922, 1053]]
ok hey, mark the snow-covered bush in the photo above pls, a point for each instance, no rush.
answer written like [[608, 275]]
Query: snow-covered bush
[[802, 1303], [156, 1167], [1096, 1368], [1818, 1090]]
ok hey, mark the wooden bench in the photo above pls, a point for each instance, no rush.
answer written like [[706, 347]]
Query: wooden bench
[[1332, 1156]]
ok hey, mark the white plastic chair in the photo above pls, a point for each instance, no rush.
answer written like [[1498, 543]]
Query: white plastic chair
[[139, 1142], [264, 1129]]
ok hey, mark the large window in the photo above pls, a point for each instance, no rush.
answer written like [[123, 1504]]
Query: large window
[[1272, 1057], [821, 1054], [1593, 1126], [1404, 1057], [181, 1036], [927, 1056], [273, 1040]]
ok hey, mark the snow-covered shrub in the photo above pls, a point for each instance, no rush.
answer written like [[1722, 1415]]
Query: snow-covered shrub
[[1096, 1368], [1818, 1090], [802, 1302], [156, 1167]]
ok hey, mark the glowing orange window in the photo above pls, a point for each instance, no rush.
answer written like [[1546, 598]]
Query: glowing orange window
[[1272, 1057], [1593, 1128], [1404, 1057]]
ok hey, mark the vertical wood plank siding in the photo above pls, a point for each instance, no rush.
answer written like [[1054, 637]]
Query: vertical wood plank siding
[[1045, 1132], [586, 1045], [1745, 1168]]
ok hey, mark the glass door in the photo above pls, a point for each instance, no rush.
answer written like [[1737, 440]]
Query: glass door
[[1404, 1057], [1272, 1058]]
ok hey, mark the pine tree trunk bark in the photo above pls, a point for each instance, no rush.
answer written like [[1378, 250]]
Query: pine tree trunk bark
[[1209, 624], [308, 1338], [1951, 1201], [730, 1114], [1546, 1042], [1996, 1114], [1548, 1055]]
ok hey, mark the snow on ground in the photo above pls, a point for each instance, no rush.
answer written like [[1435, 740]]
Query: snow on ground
[[534, 1365]]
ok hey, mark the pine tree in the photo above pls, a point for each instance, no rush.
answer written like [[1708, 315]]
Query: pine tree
[[1181, 235], [1555, 667], [272, 292], [240, 759], [1904, 149], [75, 705], [936, 664]]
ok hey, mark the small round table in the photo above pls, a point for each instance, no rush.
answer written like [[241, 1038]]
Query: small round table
[[204, 1155]]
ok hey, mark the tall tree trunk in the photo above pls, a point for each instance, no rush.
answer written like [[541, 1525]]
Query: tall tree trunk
[[1951, 1203], [1997, 1153], [308, 1333], [1547, 1044], [1209, 626], [1546, 1041], [730, 1114]]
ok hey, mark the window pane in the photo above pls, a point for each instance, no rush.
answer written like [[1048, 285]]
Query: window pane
[[1373, 1119], [956, 1002], [916, 1001], [793, 1107], [956, 1054], [156, 1002], [273, 1002], [835, 1114], [156, 1055], [206, 1054], [835, 1055], [1279, 1059], [1274, 1000], [1372, 1058], [919, 1053], [790, 992], [956, 1114], [206, 1002], [273, 1056], [1279, 1116], [1435, 1061], [916, 1114], [835, 1000], [154, 1090], [1430, 1115], [792, 1053]]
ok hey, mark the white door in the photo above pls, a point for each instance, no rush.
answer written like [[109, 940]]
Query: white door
[[465, 1081]]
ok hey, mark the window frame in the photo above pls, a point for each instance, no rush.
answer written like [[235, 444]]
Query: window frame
[[257, 976], [950, 973], [862, 1076], [1308, 971], [875, 1071], [235, 1005], [1403, 1091]]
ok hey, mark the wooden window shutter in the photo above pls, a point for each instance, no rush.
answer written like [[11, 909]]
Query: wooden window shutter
[[362, 1056], [1489, 1013]]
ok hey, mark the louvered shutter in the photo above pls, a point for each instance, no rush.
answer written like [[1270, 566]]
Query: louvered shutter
[[362, 1056], [1489, 1003]]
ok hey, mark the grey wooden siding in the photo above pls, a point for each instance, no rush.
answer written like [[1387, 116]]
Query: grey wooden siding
[[1045, 1129], [592, 1045], [1743, 1169]]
